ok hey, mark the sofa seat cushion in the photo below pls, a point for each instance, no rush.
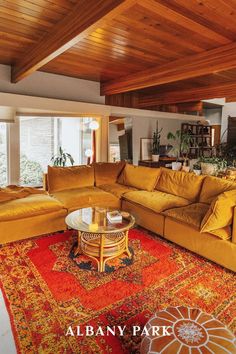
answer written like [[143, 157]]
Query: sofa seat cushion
[[117, 189], [191, 214], [156, 201], [36, 204], [213, 186], [183, 184], [78, 198]]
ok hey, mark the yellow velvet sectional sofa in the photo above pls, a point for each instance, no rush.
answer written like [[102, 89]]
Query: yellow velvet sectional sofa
[[196, 212]]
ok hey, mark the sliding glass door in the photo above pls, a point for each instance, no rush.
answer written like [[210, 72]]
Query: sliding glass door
[[40, 139]]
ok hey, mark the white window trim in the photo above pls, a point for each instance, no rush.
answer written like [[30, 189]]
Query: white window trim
[[13, 152]]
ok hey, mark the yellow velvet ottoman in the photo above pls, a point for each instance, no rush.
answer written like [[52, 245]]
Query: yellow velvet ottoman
[[191, 332]]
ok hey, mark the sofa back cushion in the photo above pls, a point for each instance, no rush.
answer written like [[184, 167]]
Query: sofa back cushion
[[62, 178], [220, 213], [107, 172], [212, 187], [183, 184], [139, 177]]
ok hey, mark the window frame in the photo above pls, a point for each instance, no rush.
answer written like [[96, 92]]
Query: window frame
[[7, 151], [13, 142]]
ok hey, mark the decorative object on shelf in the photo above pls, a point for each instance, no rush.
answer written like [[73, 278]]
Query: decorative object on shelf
[[156, 145], [205, 130], [212, 165], [197, 169], [146, 148], [62, 158]]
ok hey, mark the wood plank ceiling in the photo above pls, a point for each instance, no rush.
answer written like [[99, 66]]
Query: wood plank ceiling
[[146, 53]]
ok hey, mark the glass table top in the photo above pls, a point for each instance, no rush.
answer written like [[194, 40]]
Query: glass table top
[[95, 220]]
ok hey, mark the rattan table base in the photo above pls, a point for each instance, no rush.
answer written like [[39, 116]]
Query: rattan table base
[[103, 247]]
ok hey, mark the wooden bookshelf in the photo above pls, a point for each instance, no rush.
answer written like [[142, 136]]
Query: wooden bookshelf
[[202, 139]]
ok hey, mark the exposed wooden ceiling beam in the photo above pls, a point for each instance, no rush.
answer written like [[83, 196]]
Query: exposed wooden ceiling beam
[[187, 95], [86, 16], [208, 62], [231, 98], [185, 107], [184, 21]]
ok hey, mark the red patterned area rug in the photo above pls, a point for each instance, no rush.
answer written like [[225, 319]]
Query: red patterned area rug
[[46, 292]]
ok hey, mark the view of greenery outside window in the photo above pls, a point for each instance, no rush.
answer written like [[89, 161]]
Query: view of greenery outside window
[[3, 154], [40, 139]]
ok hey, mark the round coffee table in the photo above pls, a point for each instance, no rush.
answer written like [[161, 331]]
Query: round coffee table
[[190, 331], [98, 238]]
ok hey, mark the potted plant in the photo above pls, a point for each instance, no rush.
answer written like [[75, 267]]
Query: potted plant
[[212, 165], [61, 158], [182, 142], [228, 152], [197, 169], [156, 145]]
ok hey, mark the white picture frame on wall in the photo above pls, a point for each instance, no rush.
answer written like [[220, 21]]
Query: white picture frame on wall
[[146, 148]]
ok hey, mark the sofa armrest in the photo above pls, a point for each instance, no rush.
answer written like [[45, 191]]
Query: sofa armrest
[[234, 227]]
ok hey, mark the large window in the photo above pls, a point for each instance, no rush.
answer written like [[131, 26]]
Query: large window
[[74, 136], [36, 148], [40, 139], [3, 154]]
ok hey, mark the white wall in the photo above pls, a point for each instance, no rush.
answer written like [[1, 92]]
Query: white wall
[[51, 86], [144, 128], [114, 133], [213, 115], [229, 109], [7, 114]]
